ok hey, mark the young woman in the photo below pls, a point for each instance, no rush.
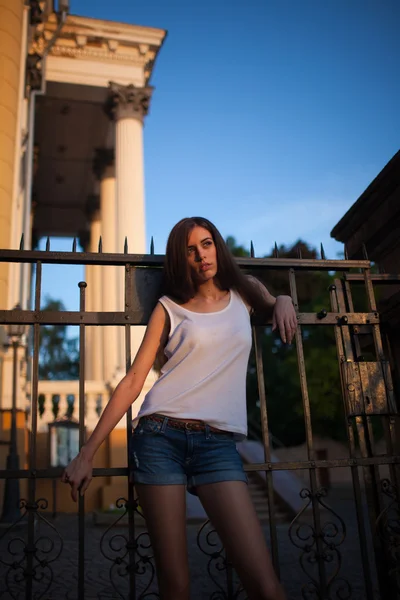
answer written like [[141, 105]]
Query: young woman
[[195, 412]]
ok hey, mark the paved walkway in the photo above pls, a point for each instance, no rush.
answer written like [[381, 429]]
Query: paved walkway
[[105, 577]]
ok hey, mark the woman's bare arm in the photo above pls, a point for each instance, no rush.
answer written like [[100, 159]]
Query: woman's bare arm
[[127, 391], [283, 316], [268, 298]]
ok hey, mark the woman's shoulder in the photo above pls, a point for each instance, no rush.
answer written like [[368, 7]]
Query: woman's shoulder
[[168, 300], [241, 298], [171, 304]]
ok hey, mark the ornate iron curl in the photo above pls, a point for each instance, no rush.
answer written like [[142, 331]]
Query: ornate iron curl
[[388, 528], [332, 534], [45, 550], [210, 544], [116, 550]]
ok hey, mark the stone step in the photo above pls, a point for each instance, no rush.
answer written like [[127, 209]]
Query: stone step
[[259, 497]]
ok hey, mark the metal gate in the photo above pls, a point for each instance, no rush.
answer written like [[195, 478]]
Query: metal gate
[[39, 560]]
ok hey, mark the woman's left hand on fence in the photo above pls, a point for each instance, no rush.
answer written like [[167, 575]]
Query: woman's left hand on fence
[[284, 318]]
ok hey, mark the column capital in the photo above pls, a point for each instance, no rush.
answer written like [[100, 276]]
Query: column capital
[[128, 101], [103, 158]]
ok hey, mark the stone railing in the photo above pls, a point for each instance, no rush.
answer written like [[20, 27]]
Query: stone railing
[[63, 397]]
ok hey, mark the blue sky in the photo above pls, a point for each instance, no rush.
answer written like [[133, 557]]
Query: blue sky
[[269, 117]]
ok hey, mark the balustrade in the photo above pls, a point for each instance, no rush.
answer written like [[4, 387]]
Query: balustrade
[[62, 397]]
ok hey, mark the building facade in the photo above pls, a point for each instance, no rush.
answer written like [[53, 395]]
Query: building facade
[[74, 94]]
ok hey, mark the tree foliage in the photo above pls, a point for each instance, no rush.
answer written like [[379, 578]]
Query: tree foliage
[[282, 381], [58, 354]]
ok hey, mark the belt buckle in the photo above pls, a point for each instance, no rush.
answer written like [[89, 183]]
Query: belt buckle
[[188, 425]]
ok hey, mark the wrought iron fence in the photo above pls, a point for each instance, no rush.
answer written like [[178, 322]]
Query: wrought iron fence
[[31, 558]]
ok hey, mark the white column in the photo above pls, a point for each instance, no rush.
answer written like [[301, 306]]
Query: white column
[[95, 351], [128, 105], [88, 330], [130, 184], [105, 171]]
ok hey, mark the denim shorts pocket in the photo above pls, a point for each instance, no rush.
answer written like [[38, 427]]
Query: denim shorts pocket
[[148, 427]]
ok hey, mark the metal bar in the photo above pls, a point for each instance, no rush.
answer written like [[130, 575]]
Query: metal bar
[[371, 475], [376, 277], [267, 449], [11, 497], [83, 258], [140, 317], [337, 303], [266, 466], [56, 472], [372, 303], [131, 499], [32, 439], [389, 432], [390, 439], [349, 302], [81, 505], [309, 441], [45, 317], [374, 506], [142, 260]]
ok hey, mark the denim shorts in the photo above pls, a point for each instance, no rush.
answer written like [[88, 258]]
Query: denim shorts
[[162, 455]]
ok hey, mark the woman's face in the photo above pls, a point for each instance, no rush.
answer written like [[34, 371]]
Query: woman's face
[[202, 254]]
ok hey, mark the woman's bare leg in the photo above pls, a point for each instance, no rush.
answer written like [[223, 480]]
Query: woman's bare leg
[[164, 508], [231, 511]]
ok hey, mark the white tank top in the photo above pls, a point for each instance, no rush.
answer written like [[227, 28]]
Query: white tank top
[[205, 375]]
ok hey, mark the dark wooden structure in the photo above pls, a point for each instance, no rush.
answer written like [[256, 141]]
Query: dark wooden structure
[[371, 229]]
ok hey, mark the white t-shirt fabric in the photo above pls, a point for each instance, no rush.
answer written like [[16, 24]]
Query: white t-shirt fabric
[[204, 377]]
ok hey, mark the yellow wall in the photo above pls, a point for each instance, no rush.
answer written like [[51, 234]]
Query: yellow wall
[[11, 17], [22, 445], [102, 491]]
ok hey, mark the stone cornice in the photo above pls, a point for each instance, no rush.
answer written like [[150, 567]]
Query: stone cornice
[[101, 54], [100, 41]]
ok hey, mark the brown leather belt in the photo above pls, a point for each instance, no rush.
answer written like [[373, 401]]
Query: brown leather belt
[[183, 425]]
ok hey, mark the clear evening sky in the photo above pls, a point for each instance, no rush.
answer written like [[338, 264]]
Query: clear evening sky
[[269, 117]]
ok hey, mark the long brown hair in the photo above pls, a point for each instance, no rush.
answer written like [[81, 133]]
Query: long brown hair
[[178, 280]]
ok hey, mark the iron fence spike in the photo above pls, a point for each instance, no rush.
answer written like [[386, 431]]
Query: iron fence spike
[[74, 245], [299, 254], [323, 257], [276, 251], [47, 244], [100, 245], [252, 255], [364, 251], [152, 245], [21, 244], [126, 245], [346, 253]]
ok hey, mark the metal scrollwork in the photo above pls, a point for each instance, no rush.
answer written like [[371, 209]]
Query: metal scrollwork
[[46, 549], [115, 548], [388, 527], [210, 544], [331, 535]]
